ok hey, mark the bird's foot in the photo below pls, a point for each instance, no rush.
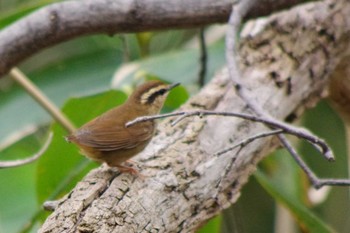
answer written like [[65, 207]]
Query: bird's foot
[[130, 170], [127, 169]]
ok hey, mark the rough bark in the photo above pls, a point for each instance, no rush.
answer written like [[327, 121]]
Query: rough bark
[[69, 19], [286, 64]]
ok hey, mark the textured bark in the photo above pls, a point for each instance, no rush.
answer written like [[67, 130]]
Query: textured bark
[[286, 64], [69, 19]]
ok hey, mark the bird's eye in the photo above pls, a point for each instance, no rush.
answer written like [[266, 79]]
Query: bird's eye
[[161, 91]]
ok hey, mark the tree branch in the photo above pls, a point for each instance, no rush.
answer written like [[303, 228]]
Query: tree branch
[[232, 55], [21, 162], [287, 62], [69, 19], [42, 99], [268, 121]]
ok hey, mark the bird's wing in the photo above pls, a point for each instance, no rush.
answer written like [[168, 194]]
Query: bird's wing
[[114, 137]]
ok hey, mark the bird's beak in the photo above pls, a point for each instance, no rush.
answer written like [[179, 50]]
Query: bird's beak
[[171, 86]]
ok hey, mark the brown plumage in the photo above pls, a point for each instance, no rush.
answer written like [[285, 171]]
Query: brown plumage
[[106, 139]]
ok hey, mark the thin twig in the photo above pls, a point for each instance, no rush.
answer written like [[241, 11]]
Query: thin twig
[[226, 170], [18, 135], [20, 162], [235, 20], [180, 118], [232, 55], [300, 133], [240, 144], [154, 117], [246, 141], [203, 59], [315, 181], [42, 99], [126, 48]]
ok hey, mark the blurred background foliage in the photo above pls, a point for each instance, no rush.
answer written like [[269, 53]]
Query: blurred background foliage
[[89, 75]]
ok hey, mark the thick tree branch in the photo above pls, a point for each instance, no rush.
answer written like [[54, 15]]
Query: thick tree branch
[[69, 19], [287, 62], [232, 57]]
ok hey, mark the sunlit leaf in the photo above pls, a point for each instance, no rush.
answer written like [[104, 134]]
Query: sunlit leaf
[[175, 66]]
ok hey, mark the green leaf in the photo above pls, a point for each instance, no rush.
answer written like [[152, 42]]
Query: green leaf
[[213, 226], [176, 98], [18, 185], [62, 165], [325, 123], [79, 67], [22, 145], [174, 66], [20, 10], [306, 218]]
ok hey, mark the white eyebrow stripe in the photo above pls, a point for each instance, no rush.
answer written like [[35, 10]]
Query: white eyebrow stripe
[[145, 96]]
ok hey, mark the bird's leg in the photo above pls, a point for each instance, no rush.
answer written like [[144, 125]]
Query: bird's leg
[[132, 162], [128, 169]]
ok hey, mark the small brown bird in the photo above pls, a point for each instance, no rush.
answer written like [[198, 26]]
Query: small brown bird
[[106, 139]]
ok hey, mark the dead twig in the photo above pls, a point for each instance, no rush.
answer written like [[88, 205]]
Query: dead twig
[[302, 133], [20, 162], [235, 21], [42, 99], [203, 59], [279, 128], [246, 141]]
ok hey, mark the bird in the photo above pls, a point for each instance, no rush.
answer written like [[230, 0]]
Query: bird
[[107, 139]]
